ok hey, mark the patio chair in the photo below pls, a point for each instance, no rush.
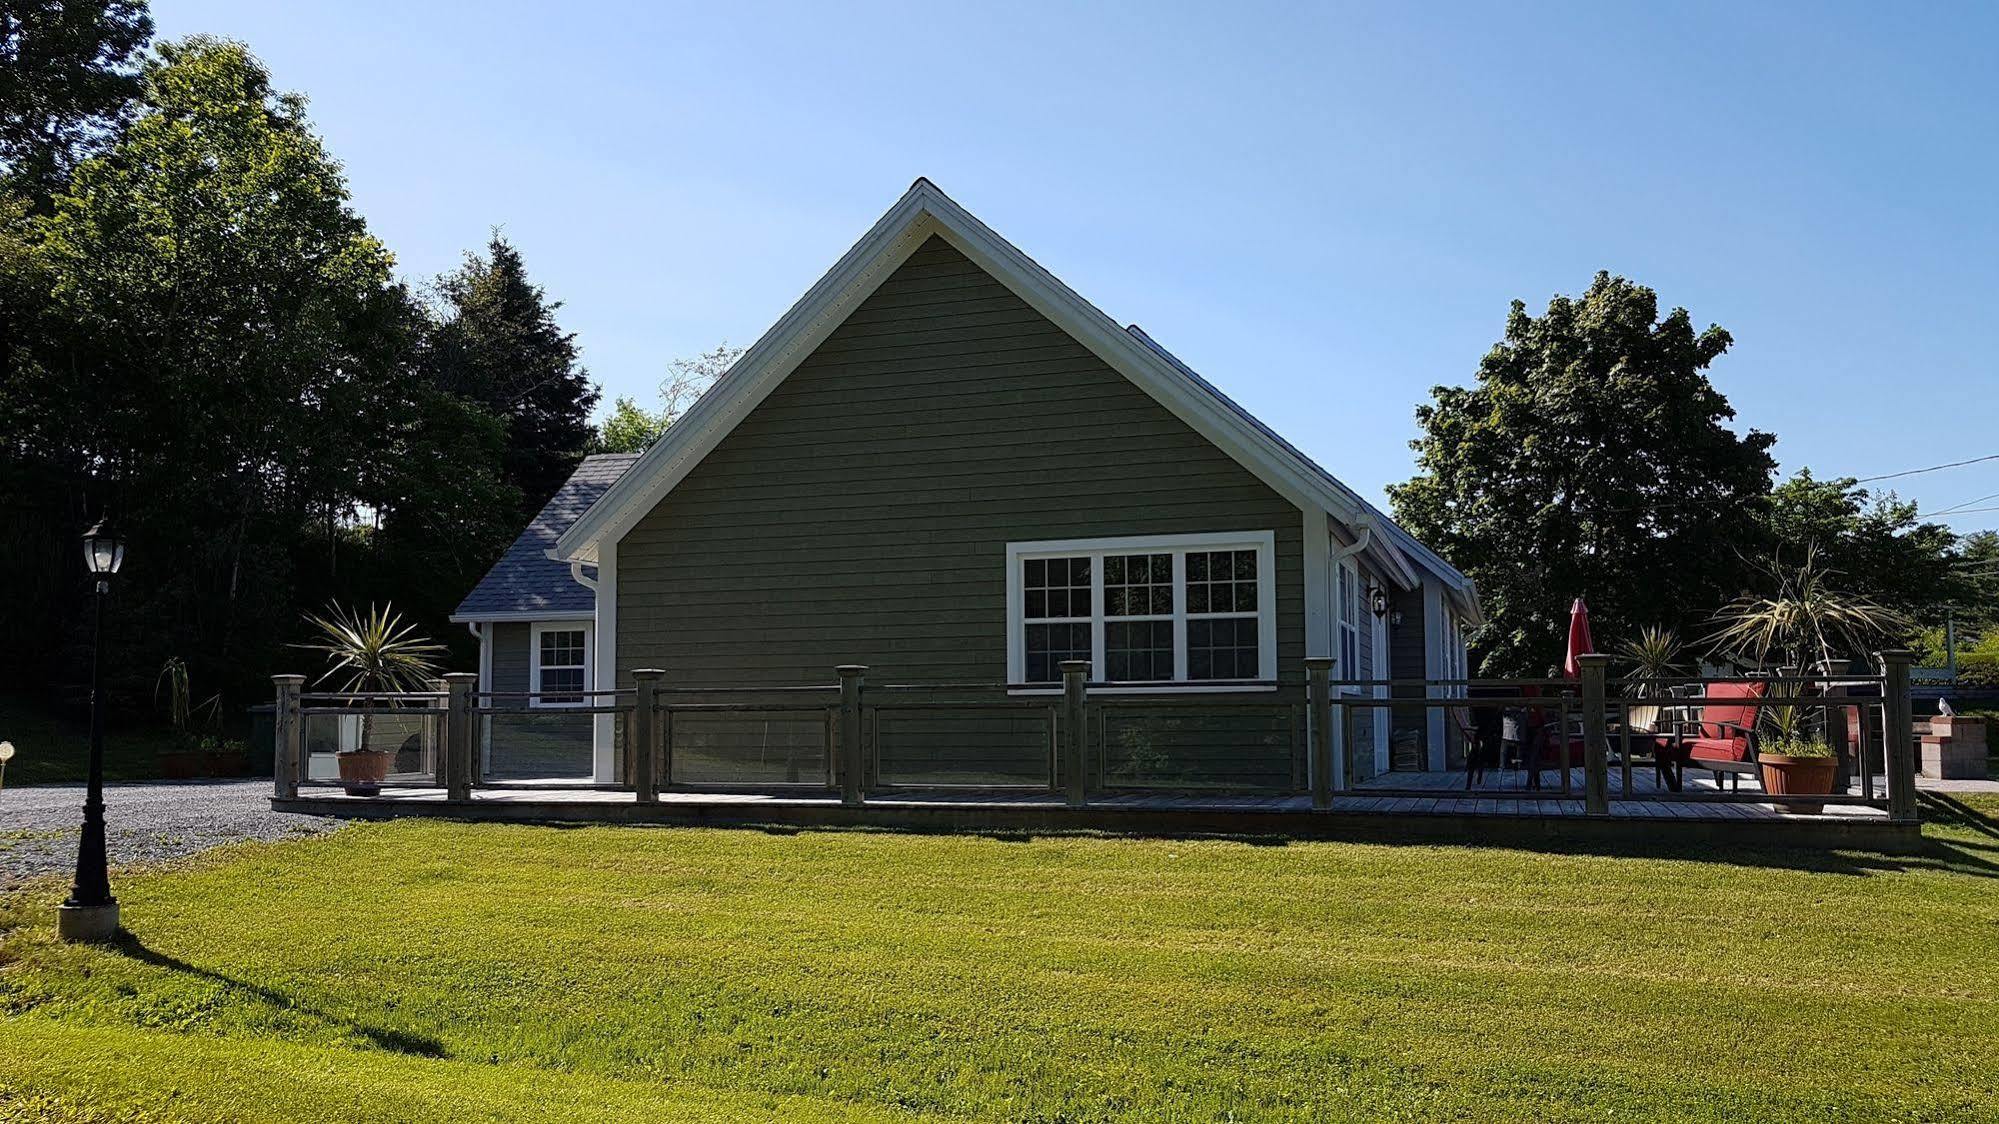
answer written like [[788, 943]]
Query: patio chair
[[1479, 727], [1723, 739], [1649, 731], [1542, 747]]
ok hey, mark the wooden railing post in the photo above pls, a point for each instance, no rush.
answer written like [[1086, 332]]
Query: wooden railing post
[[642, 737], [288, 734], [437, 728], [1836, 737], [1596, 749], [1319, 704], [1899, 734], [853, 763], [1075, 731], [461, 738]]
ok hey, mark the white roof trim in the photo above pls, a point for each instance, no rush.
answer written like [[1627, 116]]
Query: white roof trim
[[924, 211], [563, 616]]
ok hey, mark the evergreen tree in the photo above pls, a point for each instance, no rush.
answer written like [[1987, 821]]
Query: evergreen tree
[[498, 345]]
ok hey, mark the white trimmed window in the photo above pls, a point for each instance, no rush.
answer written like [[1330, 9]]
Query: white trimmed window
[[560, 661], [1153, 612], [1350, 608]]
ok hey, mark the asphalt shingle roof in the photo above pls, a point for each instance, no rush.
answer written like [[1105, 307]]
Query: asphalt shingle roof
[[525, 579]]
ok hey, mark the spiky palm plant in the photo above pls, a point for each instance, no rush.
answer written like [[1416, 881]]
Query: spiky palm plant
[[1655, 654], [375, 653], [1806, 622]]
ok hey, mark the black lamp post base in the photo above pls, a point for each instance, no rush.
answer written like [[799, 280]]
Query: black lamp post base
[[87, 922]]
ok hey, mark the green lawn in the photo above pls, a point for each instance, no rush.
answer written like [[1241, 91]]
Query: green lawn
[[432, 971], [51, 749]]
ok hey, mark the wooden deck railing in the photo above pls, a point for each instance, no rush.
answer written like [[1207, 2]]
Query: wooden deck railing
[[1081, 741]]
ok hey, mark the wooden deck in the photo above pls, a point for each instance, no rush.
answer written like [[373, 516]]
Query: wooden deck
[[1425, 807], [1645, 784]]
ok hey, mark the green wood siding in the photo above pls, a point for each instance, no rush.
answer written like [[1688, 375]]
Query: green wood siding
[[510, 656], [860, 514], [528, 743], [1406, 659]]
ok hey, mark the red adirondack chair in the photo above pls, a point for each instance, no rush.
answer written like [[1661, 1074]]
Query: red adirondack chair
[[1723, 739]]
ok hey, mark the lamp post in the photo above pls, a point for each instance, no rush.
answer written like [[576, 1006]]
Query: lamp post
[[91, 913]]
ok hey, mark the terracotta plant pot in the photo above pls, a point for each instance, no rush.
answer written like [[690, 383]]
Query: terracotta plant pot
[[221, 763], [1797, 776], [362, 771], [180, 764]]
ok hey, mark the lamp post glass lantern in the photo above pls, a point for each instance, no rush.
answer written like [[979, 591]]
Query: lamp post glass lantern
[[91, 913], [103, 553]]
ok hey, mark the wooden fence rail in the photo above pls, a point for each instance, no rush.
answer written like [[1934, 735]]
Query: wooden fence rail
[[1315, 724]]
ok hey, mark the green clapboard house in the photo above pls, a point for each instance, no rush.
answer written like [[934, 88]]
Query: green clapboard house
[[944, 464]]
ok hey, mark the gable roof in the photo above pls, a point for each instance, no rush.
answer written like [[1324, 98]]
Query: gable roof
[[923, 212], [526, 582]]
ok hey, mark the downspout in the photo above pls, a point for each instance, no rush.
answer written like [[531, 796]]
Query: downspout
[[576, 571], [1341, 750], [1340, 556], [1366, 536]]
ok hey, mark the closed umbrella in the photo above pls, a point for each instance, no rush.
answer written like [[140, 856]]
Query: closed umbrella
[[1580, 643]]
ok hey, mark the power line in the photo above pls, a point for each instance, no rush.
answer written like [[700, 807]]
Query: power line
[[1932, 468], [1957, 507]]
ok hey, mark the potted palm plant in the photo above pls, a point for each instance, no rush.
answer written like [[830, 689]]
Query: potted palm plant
[[372, 655], [1806, 622], [1654, 655]]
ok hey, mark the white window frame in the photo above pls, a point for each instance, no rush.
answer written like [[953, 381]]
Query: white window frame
[[1263, 542], [1349, 593], [534, 662]]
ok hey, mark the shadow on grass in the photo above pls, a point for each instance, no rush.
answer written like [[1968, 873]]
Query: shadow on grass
[[1948, 810], [1973, 859], [395, 1041], [1950, 853]]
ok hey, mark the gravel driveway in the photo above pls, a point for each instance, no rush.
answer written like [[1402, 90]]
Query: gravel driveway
[[148, 823]]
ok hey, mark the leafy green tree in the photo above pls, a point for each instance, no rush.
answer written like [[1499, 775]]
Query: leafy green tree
[[214, 351], [499, 345], [68, 75], [1876, 545], [629, 428], [1977, 609], [1591, 458]]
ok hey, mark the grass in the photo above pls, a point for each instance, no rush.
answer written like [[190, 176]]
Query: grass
[[54, 749], [432, 971]]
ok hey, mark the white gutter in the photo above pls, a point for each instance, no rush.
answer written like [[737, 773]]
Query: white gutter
[[1366, 526]]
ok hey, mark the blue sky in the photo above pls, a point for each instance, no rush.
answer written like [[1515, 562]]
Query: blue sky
[[1324, 209]]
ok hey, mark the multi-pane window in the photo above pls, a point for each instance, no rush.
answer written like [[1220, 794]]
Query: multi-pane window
[[1350, 598], [1138, 618], [1144, 611], [1057, 609], [1222, 625], [561, 662]]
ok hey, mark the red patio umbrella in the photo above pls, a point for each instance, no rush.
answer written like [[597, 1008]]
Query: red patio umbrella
[[1579, 641]]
